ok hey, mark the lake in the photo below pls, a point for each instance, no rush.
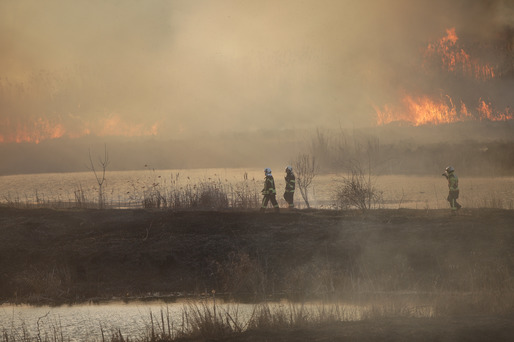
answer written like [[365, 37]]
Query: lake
[[124, 189], [135, 319]]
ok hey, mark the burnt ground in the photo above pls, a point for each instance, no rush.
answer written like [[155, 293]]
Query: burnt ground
[[52, 256]]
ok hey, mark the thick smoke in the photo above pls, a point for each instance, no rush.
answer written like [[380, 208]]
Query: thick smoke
[[196, 68]]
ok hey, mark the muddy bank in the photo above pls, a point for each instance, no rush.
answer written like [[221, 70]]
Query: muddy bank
[[63, 256]]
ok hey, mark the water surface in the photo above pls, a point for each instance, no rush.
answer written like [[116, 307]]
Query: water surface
[[136, 319], [128, 188]]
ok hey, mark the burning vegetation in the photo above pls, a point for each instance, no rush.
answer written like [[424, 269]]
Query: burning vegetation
[[48, 106], [446, 63], [39, 129]]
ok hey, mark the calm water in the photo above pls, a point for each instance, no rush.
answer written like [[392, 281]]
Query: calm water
[[128, 188], [80, 322], [134, 320]]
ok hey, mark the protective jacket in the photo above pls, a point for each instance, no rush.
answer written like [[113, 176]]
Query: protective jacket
[[453, 182], [290, 182], [269, 186], [453, 195]]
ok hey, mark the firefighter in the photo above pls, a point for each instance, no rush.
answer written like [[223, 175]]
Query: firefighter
[[453, 186], [269, 192], [290, 186]]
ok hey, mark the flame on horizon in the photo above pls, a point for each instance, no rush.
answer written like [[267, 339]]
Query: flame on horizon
[[42, 129], [424, 109], [35, 132]]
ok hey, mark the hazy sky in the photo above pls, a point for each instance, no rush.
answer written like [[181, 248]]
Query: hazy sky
[[182, 68]]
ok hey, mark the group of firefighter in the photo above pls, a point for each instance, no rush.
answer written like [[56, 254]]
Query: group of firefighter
[[269, 191]]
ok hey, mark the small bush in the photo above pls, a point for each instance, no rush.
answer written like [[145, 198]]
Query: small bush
[[358, 192]]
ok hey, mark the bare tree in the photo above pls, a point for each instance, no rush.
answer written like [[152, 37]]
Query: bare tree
[[306, 169], [100, 179]]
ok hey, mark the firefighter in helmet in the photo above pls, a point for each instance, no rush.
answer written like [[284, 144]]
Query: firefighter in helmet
[[269, 192], [453, 187], [290, 186]]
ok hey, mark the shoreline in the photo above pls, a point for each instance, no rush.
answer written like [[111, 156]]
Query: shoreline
[[392, 259], [75, 255]]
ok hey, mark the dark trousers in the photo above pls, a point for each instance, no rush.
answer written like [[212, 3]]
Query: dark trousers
[[452, 199], [288, 196], [268, 198]]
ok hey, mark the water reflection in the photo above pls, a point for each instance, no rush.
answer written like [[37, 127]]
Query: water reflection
[[136, 319], [78, 322]]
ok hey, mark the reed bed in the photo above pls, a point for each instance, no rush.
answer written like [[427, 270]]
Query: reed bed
[[177, 192], [207, 194], [211, 319]]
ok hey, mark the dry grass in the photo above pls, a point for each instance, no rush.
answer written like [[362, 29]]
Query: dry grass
[[492, 201], [209, 194], [175, 193]]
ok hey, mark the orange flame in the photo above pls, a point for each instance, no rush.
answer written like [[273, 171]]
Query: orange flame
[[43, 129], [35, 132], [420, 110], [424, 110], [456, 60], [114, 125], [485, 109]]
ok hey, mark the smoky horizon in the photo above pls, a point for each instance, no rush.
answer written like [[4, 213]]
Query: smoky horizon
[[201, 71]]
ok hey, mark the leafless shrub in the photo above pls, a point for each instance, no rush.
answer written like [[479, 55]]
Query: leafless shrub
[[100, 178], [305, 168], [357, 191]]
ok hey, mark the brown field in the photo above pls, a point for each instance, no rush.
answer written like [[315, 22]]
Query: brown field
[[398, 262]]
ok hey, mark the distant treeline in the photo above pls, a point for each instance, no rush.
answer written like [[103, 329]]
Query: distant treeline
[[474, 158], [478, 149]]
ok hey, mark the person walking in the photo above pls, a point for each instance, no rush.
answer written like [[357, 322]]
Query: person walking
[[269, 192], [290, 187], [453, 187]]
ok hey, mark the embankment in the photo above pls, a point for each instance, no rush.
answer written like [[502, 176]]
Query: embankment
[[64, 256]]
